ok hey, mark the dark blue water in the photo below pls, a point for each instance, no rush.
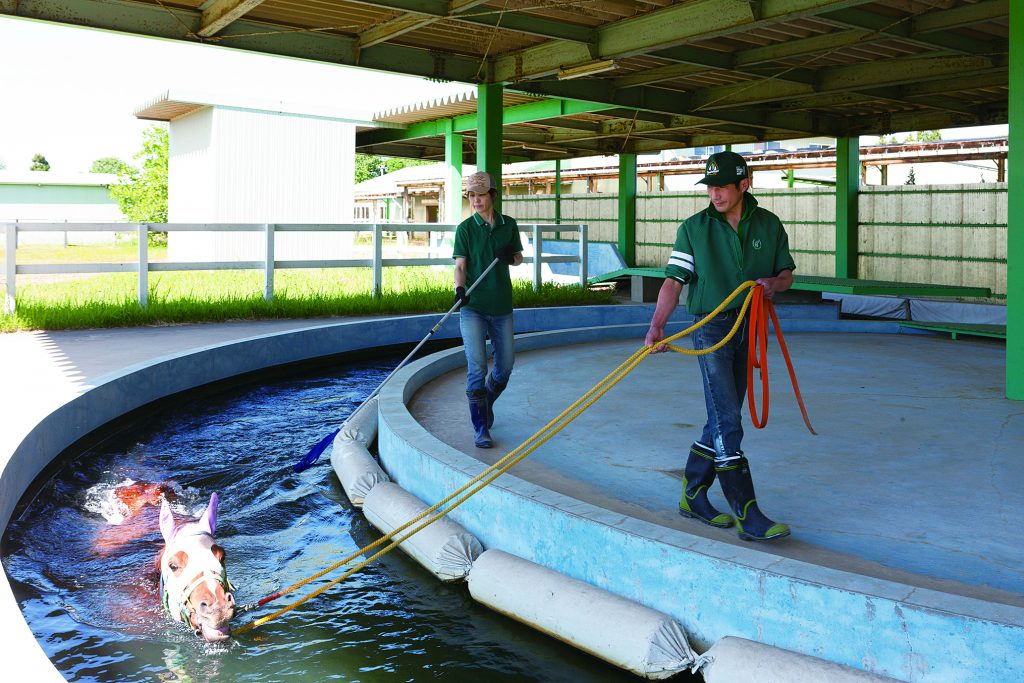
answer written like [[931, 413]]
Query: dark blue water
[[86, 581]]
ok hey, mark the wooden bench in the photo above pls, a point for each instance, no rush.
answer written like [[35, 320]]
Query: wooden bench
[[644, 283], [840, 285], [954, 329]]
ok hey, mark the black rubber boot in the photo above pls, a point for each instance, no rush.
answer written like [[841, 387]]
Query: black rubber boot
[[698, 476], [493, 392], [751, 524], [478, 414]]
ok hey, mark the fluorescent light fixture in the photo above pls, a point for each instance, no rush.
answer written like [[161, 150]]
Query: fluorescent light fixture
[[537, 147], [588, 69]]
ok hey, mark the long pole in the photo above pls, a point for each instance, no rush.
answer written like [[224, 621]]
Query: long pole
[[321, 446]]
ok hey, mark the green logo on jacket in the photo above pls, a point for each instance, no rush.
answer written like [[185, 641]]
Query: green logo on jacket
[[756, 244]]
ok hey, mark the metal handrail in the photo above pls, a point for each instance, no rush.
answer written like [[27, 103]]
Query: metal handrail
[[268, 264]]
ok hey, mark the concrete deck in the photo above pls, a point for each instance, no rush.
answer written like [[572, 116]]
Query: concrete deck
[[905, 505], [916, 474], [903, 561]]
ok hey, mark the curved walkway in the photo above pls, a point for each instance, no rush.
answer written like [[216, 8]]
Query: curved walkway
[[902, 560], [597, 476]]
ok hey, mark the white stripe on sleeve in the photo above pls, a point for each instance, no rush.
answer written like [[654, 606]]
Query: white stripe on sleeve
[[681, 260]]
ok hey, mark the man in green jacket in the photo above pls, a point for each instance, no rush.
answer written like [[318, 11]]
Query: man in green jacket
[[717, 249]]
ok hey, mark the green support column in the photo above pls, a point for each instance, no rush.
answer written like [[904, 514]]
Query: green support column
[[488, 132], [1015, 221], [847, 189], [558, 190], [453, 180], [627, 208]]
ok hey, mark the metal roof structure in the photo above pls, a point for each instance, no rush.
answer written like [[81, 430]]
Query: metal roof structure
[[173, 104], [644, 75], [427, 178]]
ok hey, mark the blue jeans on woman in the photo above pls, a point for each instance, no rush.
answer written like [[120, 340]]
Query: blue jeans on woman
[[725, 382], [476, 328]]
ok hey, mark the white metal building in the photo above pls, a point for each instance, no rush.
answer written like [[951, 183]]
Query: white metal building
[[53, 197], [255, 161]]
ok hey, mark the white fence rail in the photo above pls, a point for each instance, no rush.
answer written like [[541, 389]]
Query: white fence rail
[[268, 264]]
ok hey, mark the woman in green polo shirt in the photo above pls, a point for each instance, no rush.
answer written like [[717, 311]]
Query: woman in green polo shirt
[[481, 238]]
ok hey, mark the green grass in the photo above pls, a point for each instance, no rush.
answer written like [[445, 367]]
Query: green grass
[[110, 300]]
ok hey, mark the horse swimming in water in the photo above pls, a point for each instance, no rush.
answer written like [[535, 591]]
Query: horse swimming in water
[[194, 585]]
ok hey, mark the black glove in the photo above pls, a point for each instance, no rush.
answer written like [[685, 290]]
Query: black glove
[[461, 297], [507, 254]]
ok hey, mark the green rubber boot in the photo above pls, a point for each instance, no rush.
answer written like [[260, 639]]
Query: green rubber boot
[[698, 476], [751, 523]]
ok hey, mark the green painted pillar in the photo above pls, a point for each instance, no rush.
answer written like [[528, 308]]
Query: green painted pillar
[[488, 132], [1015, 221], [453, 179], [790, 178], [558, 190], [847, 220], [627, 208]]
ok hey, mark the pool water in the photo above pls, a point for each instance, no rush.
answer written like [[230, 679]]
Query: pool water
[[84, 572]]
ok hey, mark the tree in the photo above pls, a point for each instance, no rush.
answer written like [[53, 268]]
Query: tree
[[3, 164], [39, 163], [109, 165], [142, 193], [395, 164], [371, 166], [911, 178], [925, 136]]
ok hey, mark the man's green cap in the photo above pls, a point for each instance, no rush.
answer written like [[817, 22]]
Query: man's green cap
[[724, 168]]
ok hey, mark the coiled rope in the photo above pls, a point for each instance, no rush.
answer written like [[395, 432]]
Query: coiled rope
[[545, 433]]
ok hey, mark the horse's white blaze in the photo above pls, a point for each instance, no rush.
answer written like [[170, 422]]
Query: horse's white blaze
[[190, 562]]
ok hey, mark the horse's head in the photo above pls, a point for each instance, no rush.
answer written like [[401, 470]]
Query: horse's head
[[193, 580]]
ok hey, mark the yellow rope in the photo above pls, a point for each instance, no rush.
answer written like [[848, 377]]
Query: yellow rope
[[491, 473]]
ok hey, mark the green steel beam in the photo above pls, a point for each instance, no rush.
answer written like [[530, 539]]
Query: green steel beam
[[627, 208], [960, 17], [665, 28], [923, 93], [1015, 220], [847, 220], [453, 179], [901, 70], [184, 24], [509, 21], [522, 113], [927, 120], [488, 136], [884, 26]]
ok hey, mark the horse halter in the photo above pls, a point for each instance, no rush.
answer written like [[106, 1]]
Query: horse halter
[[183, 605]]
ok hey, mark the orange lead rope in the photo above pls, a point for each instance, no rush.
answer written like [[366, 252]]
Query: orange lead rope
[[761, 309]]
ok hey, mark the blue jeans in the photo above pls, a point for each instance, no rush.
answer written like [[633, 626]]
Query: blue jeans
[[476, 328], [725, 382]]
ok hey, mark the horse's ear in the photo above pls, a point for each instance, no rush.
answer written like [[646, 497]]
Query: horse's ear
[[208, 522], [167, 526]]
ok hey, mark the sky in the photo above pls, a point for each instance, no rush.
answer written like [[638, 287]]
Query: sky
[[69, 93]]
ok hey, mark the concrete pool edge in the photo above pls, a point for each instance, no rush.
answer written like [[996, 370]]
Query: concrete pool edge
[[42, 428], [889, 628], [46, 428]]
